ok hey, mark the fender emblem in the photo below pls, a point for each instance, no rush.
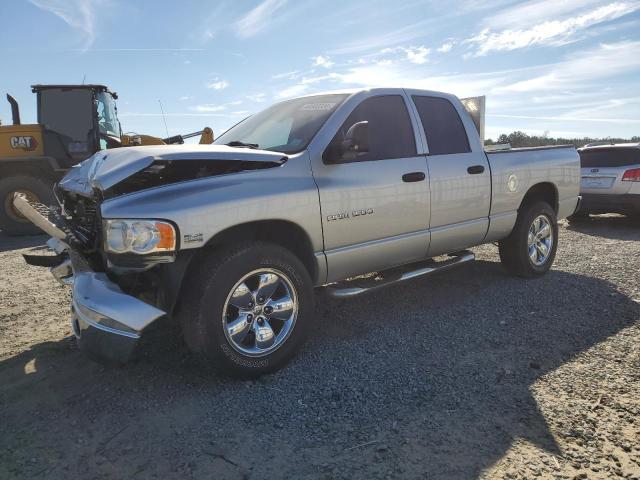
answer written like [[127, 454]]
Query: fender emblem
[[193, 238]]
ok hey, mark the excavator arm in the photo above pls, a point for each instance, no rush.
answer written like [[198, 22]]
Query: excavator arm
[[206, 137]]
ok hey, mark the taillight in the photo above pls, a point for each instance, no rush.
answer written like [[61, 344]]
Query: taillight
[[632, 175]]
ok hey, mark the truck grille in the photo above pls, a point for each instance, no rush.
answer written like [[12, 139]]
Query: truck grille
[[82, 218]]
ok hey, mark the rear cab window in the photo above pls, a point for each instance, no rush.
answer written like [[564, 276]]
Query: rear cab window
[[442, 125], [390, 131]]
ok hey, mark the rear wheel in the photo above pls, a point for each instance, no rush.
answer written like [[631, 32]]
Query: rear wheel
[[530, 249], [246, 309], [36, 189]]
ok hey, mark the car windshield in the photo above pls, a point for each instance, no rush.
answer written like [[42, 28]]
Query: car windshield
[[107, 115], [286, 127]]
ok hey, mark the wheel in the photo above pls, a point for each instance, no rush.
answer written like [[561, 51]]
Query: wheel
[[247, 309], [36, 189], [530, 249]]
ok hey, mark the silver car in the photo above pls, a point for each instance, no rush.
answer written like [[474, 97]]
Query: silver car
[[610, 179]]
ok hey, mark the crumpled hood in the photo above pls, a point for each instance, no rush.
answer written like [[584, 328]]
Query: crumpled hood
[[108, 168]]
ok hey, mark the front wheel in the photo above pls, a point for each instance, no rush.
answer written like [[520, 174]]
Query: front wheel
[[530, 249], [246, 309]]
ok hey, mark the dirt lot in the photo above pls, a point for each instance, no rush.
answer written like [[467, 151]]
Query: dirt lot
[[467, 374]]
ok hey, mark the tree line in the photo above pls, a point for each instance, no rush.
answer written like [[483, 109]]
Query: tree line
[[521, 139]]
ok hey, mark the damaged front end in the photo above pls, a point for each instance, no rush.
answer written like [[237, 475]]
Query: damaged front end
[[121, 288], [106, 321]]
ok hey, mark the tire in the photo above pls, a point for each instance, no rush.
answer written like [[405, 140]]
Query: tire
[[37, 188], [215, 299], [516, 252]]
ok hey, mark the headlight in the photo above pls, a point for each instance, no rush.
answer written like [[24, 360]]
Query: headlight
[[138, 236]]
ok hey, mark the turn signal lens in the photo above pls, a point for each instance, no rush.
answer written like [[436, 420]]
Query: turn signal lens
[[632, 175]]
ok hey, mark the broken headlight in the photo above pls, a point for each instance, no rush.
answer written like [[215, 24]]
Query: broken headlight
[[138, 236]]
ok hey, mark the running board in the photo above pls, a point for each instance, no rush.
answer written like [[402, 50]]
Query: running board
[[357, 286]]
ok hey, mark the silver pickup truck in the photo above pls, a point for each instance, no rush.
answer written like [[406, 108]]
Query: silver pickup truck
[[348, 191]]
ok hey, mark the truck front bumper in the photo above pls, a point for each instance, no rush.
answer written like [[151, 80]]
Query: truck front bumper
[[106, 321]]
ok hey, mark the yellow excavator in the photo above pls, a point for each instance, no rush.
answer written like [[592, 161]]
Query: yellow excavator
[[74, 122]]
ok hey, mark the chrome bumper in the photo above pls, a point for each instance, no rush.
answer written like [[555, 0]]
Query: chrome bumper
[[106, 321]]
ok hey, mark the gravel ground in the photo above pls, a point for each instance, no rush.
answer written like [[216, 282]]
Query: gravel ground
[[466, 374]]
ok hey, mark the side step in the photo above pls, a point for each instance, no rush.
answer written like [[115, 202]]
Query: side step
[[357, 286]]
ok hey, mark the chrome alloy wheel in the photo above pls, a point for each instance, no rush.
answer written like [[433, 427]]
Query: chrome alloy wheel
[[260, 312], [540, 240]]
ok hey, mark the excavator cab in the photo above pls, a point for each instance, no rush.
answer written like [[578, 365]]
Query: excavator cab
[[77, 121]]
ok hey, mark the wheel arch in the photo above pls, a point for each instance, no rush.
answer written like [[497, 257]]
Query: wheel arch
[[285, 233], [544, 191]]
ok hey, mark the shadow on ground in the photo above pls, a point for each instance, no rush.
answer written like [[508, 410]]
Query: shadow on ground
[[7, 242], [614, 227], [431, 379]]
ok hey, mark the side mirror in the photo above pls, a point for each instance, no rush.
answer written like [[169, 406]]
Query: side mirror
[[356, 140]]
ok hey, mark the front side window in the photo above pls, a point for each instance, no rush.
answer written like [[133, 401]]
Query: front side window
[[442, 126], [390, 134], [285, 127]]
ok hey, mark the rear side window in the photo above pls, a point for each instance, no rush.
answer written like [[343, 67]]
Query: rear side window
[[442, 126], [609, 157], [390, 131]]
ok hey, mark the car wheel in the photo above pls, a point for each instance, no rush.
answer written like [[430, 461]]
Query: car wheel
[[247, 309], [36, 189], [530, 249]]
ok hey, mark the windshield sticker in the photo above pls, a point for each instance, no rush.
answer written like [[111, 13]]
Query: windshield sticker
[[317, 106]]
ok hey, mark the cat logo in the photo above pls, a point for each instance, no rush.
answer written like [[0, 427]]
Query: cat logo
[[26, 143]]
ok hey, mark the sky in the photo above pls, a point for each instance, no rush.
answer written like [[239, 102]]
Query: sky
[[561, 67]]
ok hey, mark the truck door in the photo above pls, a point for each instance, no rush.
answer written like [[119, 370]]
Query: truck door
[[459, 174], [375, 204]]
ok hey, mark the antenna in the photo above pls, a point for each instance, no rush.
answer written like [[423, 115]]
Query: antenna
[[84, 77], [163, 118]]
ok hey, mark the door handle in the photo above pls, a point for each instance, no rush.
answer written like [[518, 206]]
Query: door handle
[[413, 177], [475, 169]]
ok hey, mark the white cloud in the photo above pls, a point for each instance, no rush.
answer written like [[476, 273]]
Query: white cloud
[[257, 97], [293, 91], [186, 97], [208, 107], [321, 61], [235, 102], [218, 84], [445, 47], [257, 20], [549, 32], [605, 61], [78, 14], [417, 54], [288, 75]]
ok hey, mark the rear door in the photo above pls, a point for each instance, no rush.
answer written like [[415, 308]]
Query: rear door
[[602, 169], [375, 208], [460, 178]]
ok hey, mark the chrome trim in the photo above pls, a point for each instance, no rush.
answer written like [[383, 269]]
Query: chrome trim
[[28, 211], [63, 273]]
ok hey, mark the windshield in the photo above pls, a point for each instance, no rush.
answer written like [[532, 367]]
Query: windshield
[[286, 127], [107, 115]]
